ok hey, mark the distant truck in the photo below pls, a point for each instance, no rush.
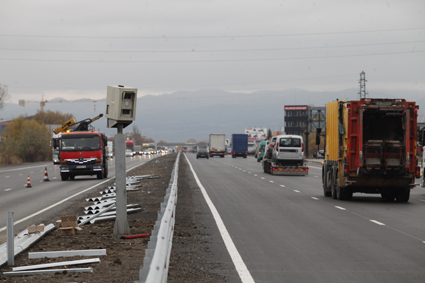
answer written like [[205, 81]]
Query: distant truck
[[371, 148], [217, 145], [285, 156], [138, 150], [239, 145]]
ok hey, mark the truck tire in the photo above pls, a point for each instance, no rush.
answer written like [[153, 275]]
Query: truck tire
[[244, 156], [64, 176], [105, 171], [100, 175], [325, 185], [388, 196], [333, 183], [403, 195]]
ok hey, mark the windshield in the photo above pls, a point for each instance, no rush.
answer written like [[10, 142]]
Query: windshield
[[202, 150], [289, 142], [75, 143]]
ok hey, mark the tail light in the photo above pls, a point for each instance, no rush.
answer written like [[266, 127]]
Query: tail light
[[302, 147], [277, 147], [345, 170], [417, 172]]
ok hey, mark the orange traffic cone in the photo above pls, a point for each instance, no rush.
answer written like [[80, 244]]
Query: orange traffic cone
[[29, 182], [46, 177]]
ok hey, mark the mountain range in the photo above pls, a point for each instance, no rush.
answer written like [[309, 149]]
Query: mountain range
[[182, 115]]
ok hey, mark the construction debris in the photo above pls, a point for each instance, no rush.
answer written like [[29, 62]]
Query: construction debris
[[47, 271], [54, 264], [22, 242], [54, 254]]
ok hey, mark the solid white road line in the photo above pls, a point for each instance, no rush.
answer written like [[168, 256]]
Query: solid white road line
[[240, 266]]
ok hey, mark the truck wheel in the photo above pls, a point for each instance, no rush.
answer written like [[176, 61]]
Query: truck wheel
[[388, 196], [244, 156], [403, 195], [258, 160], [64, 176], [105, 171], [326, 190], [100, 175], [333, 183]]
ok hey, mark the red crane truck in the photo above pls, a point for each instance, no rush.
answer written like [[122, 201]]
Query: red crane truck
[[83, 152]]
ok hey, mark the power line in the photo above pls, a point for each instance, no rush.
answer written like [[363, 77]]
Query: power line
[[211, 61], [211, 50], [206, 37]]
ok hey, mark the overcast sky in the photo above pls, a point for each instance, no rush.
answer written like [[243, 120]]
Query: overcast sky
[[74, 49]]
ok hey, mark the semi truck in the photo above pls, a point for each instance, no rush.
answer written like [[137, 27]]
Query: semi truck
[[217, 145], [370, 148], [239, 145], [285, 156]]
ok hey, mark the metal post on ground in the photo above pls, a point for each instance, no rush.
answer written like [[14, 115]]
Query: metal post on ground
[[10, 240], [121, 222]]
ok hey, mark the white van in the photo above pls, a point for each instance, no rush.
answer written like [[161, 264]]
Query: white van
[[288, 150]]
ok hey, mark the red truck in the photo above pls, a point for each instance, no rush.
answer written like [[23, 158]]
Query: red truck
[[83, 153], [371, 148]]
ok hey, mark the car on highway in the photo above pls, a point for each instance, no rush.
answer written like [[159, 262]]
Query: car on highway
[[128, 153], [202, 153]]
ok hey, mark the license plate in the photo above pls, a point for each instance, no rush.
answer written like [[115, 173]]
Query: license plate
[[81, 166]]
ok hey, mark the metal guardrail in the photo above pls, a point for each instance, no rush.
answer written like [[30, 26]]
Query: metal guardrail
[[157, 255]]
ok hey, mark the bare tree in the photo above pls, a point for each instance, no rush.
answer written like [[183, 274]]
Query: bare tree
[[4, 95]]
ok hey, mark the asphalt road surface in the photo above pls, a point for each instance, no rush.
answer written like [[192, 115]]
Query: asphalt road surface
[[44, 199], [284, 230]]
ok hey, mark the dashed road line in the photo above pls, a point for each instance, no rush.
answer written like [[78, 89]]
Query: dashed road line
[[339, 207], [297, 191], [315, 198], [283, 186], [9, 189], [271, 181], [377, 222]]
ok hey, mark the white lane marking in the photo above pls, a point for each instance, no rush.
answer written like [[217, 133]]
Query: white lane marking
[[271, 181], [262, 178], [6, 176], [297, 191], [339, 207], [283, 186], [377, 222], [244, 170], [422, 200], [249, 172], [255, 174], [240, 266], [64, 200], [314, 198], [316, 176], [9, 189]]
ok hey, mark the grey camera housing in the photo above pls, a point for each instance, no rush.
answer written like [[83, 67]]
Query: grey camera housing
[[120, 105]]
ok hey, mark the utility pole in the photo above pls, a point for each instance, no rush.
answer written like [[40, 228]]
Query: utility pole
[[362, 82]]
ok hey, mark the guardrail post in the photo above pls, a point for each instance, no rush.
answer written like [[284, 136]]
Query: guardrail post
[[10, 240]]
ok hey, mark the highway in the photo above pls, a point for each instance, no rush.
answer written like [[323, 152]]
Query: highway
[[285, 230], [45, 198]]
